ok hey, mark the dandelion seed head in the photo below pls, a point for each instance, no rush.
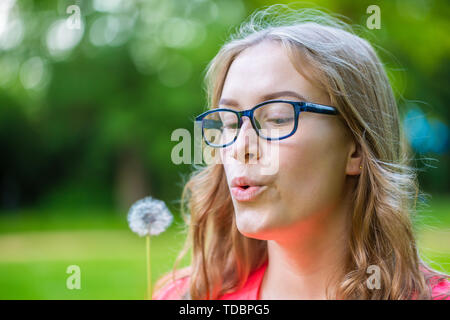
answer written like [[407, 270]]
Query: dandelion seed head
[[149, 216]]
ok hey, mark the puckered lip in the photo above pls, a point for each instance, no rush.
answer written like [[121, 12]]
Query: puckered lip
[[244, 181]]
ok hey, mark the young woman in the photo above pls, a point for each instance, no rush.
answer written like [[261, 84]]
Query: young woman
[[333, 220]]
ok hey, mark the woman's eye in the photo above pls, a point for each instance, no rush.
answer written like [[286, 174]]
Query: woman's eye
[[280, 120]]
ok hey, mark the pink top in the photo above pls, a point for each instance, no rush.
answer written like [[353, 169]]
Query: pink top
[[250, 291]]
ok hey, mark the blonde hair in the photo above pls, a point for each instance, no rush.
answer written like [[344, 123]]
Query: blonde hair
[[348, 69]]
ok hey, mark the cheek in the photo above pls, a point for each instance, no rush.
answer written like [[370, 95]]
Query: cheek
[[311, 175]]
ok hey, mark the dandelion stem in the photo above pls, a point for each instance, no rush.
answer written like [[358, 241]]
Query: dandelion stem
[[149, 274]]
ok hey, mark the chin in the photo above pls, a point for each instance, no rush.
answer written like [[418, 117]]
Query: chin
[[252, 231]]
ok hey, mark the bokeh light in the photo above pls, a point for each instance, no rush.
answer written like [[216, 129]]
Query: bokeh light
[[61, 39], [11, 25], [425, 135]]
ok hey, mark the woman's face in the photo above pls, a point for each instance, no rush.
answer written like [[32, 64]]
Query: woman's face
[[311, 173]]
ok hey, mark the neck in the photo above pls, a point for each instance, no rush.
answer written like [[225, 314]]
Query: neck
[[304, 258]]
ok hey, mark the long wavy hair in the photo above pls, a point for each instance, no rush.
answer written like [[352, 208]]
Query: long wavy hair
[[381, 223]]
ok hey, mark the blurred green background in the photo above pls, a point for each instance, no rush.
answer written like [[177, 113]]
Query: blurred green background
[[86, 117]]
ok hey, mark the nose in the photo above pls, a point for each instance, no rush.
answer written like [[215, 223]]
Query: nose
[[246, 146]]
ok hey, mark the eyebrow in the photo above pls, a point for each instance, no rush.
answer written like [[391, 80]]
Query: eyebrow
[[270, 96]]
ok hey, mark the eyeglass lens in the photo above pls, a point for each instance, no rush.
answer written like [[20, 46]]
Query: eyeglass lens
[[272, 120]]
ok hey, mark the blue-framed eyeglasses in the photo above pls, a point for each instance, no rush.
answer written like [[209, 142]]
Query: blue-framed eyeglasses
[[272, 120]]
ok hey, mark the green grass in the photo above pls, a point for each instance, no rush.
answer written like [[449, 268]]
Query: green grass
[[433, 229], [37, 247], [35, 254]]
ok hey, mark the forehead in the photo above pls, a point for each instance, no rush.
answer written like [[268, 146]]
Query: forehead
[[264, 68]]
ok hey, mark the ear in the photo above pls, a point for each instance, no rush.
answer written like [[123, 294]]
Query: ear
[[354, 159]]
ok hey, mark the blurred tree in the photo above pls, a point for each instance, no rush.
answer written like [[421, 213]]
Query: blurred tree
[[86, 114]]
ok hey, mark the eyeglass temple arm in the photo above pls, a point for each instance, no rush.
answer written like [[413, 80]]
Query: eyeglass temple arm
[[317, 108]]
